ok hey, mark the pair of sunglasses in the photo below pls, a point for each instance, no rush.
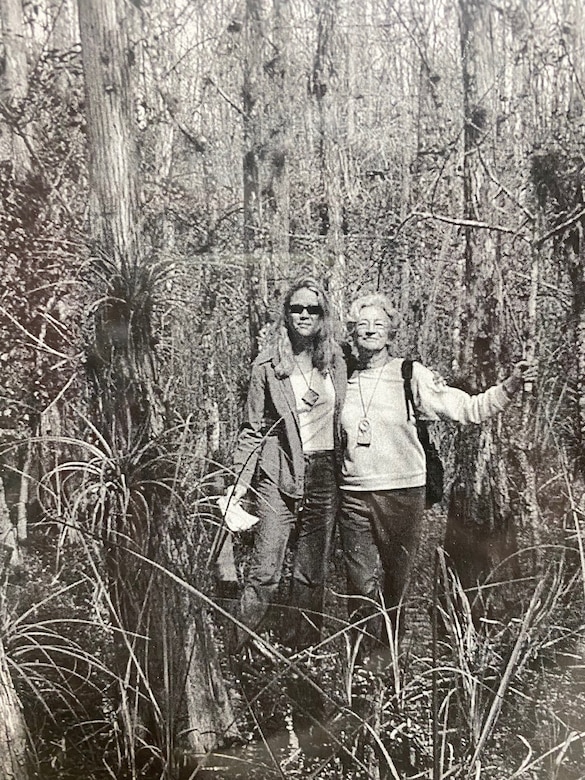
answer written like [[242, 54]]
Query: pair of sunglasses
[[298, 308]]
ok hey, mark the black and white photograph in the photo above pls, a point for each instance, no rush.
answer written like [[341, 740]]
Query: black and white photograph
[[292, 390]]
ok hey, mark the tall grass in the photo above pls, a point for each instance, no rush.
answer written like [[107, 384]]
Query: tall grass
[[149, 638], [484, 673], [481, 670], [487, 678], [126, 643]]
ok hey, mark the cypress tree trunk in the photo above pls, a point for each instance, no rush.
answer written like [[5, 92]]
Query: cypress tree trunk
[[479, 524], [325, 79], [13, 86], [13, 743], [13, 153], [265, 161], [158, 654]]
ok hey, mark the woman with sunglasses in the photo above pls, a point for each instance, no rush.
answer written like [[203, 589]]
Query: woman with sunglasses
[[286, 456]]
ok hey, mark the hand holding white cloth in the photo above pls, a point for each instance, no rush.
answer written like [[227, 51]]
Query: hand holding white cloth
[[235, 516]]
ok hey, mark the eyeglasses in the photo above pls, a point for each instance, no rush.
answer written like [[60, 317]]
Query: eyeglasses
[[298, 308], [365, 326]]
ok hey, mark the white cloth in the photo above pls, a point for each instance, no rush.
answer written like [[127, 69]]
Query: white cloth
[[235, 517]]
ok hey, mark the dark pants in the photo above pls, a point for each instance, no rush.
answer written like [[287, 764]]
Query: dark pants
[[309, 524], [380, 532]]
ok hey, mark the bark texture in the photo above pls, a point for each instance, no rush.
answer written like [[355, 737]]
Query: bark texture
[[479, 531], [159, 656], [14, 87]]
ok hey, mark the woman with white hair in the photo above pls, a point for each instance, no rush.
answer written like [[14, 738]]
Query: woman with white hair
[[383, 474]]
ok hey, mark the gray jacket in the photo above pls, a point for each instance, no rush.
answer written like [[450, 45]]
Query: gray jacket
[[269, 437]]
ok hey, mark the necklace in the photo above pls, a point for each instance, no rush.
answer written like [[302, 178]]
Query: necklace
[[311, 396], [364, 430]]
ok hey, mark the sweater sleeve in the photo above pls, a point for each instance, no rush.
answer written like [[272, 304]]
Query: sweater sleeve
[[250, 437], [436, 400]]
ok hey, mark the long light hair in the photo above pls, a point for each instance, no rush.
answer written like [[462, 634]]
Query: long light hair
[[324, 343]]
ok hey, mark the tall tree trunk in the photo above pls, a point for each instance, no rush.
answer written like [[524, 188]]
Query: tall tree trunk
[[525, 443], [14, 87], [158, 654], [574, 17], [63, 37], [13, 742], [119, 367], [279, 116], [14, 157], [266, 208], [324, 86], [575, 257], [479, 532], [113, 154], [63, 32]]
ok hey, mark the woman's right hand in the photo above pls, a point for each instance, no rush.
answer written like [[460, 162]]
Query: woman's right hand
[[236, 492]]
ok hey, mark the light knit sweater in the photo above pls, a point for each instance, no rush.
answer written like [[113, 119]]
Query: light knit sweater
[[395, 457]]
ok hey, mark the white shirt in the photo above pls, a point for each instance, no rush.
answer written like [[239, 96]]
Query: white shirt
[[316, 422]]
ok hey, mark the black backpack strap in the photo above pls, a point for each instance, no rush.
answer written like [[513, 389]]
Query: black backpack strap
[[408, 396], [434, 484], [421, 425]]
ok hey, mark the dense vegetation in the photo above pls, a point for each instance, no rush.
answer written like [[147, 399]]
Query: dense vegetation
[[166, 168]]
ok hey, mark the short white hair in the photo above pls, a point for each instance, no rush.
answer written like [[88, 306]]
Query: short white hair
[[374, 299]]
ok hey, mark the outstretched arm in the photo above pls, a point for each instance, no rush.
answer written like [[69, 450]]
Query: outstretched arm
[[438, 400]]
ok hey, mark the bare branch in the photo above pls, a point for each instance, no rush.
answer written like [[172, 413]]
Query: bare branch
[[559, 228], [227, 98], [461, 222]]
